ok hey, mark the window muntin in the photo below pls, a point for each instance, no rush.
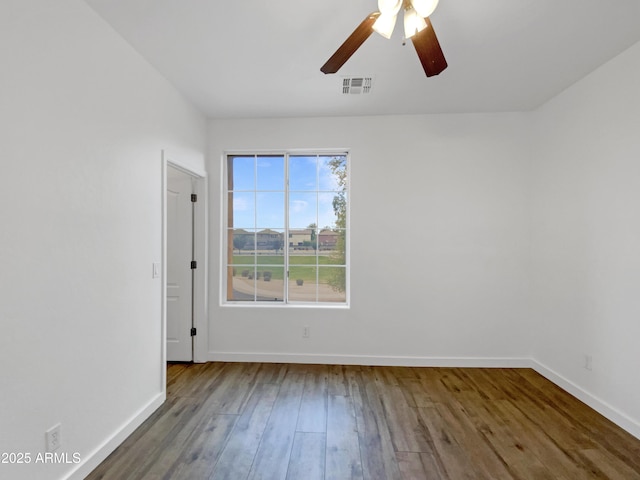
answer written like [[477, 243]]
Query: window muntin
[[286, 228]]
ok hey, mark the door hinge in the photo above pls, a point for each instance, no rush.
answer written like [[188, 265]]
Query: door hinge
[[194, 197], [194, 264], [193, 331]]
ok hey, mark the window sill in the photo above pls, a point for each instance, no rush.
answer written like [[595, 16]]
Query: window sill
[[322, 306]]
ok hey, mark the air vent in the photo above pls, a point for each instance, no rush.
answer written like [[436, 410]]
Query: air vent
[[356, 85]]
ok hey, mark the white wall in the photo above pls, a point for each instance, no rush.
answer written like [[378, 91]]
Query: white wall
[[455, 185], [83, 121], [586, 238]]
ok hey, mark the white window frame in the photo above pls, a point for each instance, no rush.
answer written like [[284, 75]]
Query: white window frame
[[224, 209]]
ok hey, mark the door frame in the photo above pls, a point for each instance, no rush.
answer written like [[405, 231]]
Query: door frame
[[201, 256]]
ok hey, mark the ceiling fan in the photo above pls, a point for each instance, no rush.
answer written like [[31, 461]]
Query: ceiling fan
[[417, 26]]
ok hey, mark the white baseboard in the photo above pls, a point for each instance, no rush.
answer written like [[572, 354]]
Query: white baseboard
[[94, 458], [391, 361], [600, 406]]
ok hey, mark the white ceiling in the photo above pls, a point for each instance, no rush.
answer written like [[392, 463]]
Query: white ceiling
[[256, 58]]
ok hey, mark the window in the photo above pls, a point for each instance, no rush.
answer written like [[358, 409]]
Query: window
[[286, 227]]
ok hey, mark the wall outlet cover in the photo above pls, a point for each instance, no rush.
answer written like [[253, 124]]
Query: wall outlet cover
[[53, 438]]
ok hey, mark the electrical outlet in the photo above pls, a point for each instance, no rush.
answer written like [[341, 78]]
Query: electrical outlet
[[53, 438], [305, 332], [588, 362]]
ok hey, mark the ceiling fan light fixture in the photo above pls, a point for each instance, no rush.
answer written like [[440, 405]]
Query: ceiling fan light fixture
[[424, 7], [425, 42], [384, 24], [413, 23]]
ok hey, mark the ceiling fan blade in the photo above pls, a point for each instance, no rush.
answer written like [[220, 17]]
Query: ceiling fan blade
[[429, 51], [351, 44]]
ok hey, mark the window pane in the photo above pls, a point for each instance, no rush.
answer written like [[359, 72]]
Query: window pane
[[302, 257], [265, 261], [332, 173], [231, 272], [270, 283], [270, 173], [332, 284], [241, 170], [244, 213], [244, 287], [243, 242], [302, 283], [332, 247], [270, 210], [299, 239], [243, 266], [303, 173], [303, 210], [329, 207], [271, 247]]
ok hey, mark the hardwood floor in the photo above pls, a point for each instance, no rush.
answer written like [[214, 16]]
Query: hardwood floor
[[303, 422]]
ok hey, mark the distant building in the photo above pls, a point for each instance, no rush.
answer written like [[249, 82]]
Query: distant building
[[327, 239], [268, 239], [297, 238]]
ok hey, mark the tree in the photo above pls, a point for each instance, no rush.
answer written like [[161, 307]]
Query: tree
[[239, 242], [338, 279], [277, 244], [313, 228], [310, 244]]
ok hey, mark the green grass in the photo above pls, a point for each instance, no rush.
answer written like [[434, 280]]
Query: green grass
[[300, 266]]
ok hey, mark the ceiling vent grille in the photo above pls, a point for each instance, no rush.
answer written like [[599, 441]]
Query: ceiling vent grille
[[356, 85]]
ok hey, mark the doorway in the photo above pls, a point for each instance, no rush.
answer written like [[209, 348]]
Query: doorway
[[184, 284], [180, 266]]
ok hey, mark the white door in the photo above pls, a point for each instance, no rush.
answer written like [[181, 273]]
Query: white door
[[179, 256]]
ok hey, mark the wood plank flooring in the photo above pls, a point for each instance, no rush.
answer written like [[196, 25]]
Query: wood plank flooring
[[241, 421]]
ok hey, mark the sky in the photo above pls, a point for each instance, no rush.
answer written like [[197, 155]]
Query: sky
[[259, 192]]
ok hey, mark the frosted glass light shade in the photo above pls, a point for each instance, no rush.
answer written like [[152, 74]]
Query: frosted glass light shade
[[424, 7], [413, 23], [384, 24]]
